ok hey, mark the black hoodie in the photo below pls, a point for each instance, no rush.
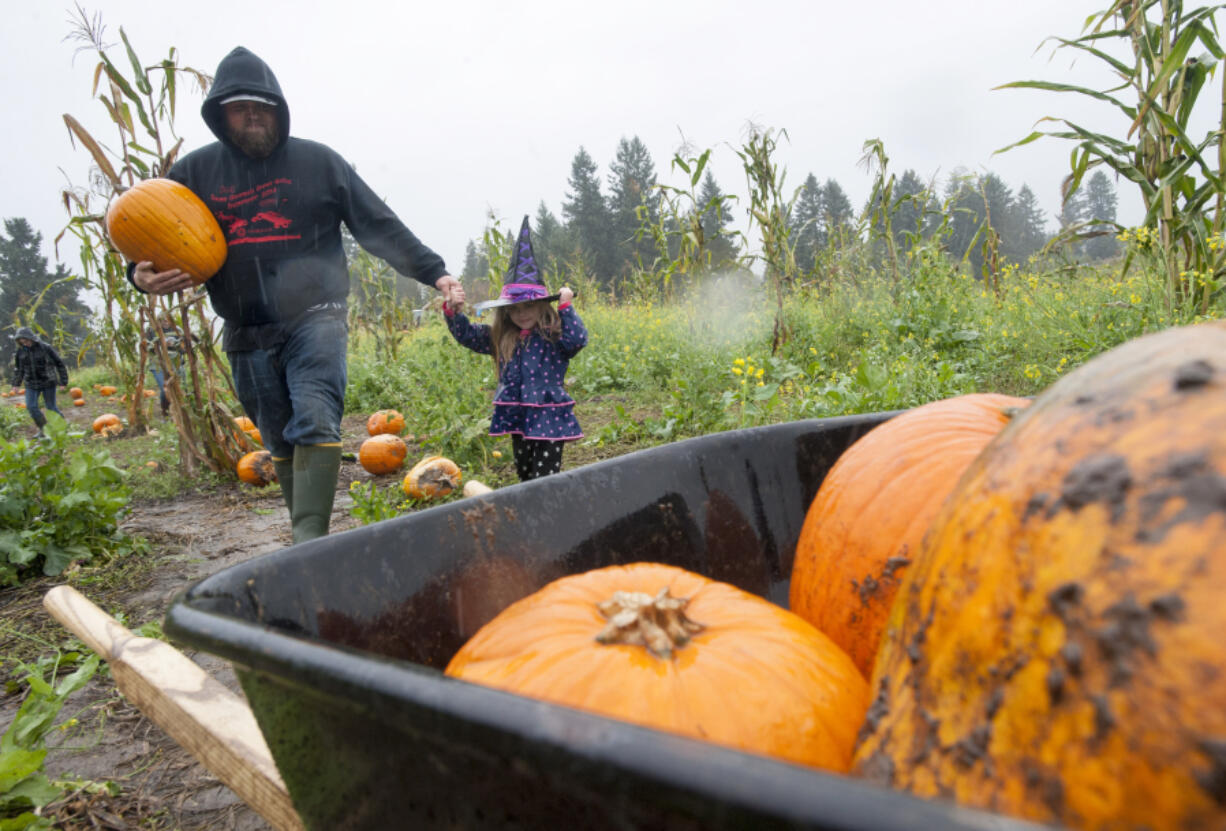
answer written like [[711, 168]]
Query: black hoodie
[[38, 365], [281, 217]]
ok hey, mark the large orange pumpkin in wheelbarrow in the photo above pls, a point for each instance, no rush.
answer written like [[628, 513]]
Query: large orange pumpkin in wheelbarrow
[[1057, 650], [660, 646], [162, 221]]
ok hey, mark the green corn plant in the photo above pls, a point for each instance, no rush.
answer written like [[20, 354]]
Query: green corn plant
[[497, 246], [141, 108], [376, 308], [771, 212], [881, 200], [1180, 178], [682, 250]]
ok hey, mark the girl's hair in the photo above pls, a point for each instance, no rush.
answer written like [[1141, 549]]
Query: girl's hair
[[504, 334]]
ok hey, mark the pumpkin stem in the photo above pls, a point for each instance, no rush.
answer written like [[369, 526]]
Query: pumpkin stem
[[657, 623]]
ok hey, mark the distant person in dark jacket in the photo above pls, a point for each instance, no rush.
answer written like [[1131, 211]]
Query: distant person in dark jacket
[[280, 201], [38, 366], [174, 350]]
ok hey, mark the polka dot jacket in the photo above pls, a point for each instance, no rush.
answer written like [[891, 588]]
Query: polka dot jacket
[[531, 400]]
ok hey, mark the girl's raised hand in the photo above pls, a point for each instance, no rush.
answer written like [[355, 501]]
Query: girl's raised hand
[[565, 295], [457, 297]]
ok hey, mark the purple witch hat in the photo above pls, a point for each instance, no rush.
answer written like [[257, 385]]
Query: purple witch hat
[[522, 282]]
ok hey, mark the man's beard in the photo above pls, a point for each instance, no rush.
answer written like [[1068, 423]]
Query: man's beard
[[255, 142]]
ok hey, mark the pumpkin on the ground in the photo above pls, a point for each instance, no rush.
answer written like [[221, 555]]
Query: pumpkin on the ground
[[78, 402], [1057, 651], [108, 424], [872, 509], [670, 649], [432, 476], [383, 453], [256, 468], [162, 221], [243, 423], [106, 389], [76, 392], [385, 421]]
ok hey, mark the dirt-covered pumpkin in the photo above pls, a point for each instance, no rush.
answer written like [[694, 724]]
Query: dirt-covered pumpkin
[[164, 222], [383, 422], [669, 649], [76, 392], [106, 389], [872, 510], [256, 468], [1057, 650], [108, 424], [432, 476], [383, 453]]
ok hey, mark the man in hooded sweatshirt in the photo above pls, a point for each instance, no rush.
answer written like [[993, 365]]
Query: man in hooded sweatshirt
[[38, 366], [280, 201]]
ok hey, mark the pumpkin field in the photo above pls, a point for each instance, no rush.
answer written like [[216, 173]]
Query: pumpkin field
[[881, 502], [653, 373]]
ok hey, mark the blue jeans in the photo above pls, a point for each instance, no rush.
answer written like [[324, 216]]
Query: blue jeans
[[295, 393], [160, 378], [32, 404]]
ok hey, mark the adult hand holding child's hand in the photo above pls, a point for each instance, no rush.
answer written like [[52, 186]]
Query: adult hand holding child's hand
[[565, 295]]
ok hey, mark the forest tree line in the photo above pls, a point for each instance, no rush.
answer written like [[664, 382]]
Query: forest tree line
[[606, 225]]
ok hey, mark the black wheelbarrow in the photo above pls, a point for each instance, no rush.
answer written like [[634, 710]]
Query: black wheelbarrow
[[339, 644]]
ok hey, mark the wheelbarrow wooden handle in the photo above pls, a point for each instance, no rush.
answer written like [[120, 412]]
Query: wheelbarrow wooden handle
[[196, 710]]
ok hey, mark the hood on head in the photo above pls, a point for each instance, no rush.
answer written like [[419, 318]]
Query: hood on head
[[26, 332], [242, 71]]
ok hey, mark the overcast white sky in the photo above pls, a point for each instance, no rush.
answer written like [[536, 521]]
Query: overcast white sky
[[451, 109]]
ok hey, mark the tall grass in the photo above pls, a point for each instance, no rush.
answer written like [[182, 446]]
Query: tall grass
[[658, 373]]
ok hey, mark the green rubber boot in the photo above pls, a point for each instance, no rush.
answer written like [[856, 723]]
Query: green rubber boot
[[315, 470], [285, 478]]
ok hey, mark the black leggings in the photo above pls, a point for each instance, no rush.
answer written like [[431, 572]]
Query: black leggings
[[535, 458]]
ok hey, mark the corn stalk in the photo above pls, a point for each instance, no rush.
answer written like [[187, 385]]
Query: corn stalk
[[771, 212], [141, 108], [682, 250], [376, 309], [1184, 193]]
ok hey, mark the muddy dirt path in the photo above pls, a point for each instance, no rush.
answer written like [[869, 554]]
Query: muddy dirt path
[[161, 785]]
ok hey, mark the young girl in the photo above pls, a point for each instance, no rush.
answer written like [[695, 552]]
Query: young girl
[[531, 344]]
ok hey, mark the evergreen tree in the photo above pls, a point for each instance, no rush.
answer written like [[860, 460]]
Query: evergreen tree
[[715, 218], [548, 238], [60, 317], [632, 181], [1028, 227], [1100, 205], [910, 207], [837, 213], [964, 204], [476, 266], [998, 210], [808, 229], [587, 217]]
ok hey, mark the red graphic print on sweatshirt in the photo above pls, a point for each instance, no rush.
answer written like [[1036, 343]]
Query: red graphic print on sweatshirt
[[252, 215]]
